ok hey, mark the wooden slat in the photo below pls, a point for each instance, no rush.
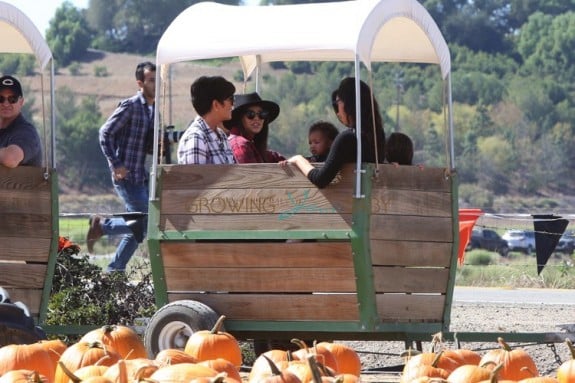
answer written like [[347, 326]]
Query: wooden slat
[[341, 307], [30, 297], [26, 226], [23, 178], [285, 279], [24, 249], [412, 178], [22, 275], [257, 222], [255, 176], [410, 308], [410, 280], [410, 253], [411, 228], [247, 200], [25, 202], [256, 255], [413, 202]]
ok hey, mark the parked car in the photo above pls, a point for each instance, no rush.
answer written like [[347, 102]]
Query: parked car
[[489, 240], [566, 243], [520, 240]]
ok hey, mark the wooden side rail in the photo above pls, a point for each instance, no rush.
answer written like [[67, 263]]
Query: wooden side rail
[[411, 238], [26, 233]]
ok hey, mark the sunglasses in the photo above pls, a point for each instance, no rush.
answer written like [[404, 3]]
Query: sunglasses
[[335, 103], [11, 99], [250, 114]]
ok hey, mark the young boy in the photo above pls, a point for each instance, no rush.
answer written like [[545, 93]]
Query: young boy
[[320, 137]]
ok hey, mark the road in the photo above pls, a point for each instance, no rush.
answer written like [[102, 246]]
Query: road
[[509, 295]]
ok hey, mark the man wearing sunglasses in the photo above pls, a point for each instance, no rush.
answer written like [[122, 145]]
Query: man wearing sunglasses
[[19, 139]]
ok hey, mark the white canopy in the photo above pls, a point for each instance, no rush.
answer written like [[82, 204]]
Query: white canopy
[[374, 30], [20, 35]]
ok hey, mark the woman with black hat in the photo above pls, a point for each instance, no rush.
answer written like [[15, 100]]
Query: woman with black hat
[[249, 129]]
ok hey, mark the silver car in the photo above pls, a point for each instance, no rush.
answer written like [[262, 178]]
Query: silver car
[[520, 240]]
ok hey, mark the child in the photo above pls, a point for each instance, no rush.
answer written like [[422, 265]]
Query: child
[[399, 149], [320, 137]]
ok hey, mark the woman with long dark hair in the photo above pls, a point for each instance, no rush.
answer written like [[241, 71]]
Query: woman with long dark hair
[[344, 147]]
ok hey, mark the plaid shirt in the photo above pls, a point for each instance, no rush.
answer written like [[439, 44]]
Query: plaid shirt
[[201, 145], [123, 137]]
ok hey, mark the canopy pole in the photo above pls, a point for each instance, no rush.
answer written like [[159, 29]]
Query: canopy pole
[[258, 73], [450, 122], [358, 101], [154, 170]]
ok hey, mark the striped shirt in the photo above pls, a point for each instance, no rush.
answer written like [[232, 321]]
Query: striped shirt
[[201, 145]]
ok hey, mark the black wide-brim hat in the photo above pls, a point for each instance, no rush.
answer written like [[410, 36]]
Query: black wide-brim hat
[[243, 101]]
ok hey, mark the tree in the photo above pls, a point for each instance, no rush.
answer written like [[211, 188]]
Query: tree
[[68, 35]]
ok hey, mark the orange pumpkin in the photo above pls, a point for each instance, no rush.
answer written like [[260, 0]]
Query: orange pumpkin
[[348, 361], [55, 348], [213, 344], [516, 364], [264, 366], [322, 354], [539, 379], [122, 338], [469, 373], [182, 372], [566, 372], [424, 364], [23, 376], [223, 365], [463, 356], [82, 354], [86, 372], [173, 356], [273, 374], [28, 357], [134, 370]]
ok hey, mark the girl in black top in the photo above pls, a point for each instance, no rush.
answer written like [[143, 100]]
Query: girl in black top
[[344, 147]]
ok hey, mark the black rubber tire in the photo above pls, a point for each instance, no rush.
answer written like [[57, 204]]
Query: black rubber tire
[[173, 324], [16, 327]]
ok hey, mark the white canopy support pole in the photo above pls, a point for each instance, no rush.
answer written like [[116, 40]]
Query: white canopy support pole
[[258, 73], [450, 123], [154, 170], [52, 114], [358, 102]]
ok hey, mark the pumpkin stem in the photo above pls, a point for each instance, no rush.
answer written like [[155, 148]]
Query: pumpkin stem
[[273, 367], [300, 343], [218, 324], [123, 372], [36, 377], [525, 368], [314, 369], [493, 376], [219, 378], [436, 359], [571, 348], [102, 359], [504, 345], [436, 339], [69, 373]]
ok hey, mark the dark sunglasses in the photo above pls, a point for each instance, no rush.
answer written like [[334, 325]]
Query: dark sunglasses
[[250, 114], [11, 99]]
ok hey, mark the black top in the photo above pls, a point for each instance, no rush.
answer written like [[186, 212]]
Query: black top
[[23, 134], [342, 151]]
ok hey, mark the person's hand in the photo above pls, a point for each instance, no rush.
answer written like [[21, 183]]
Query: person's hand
[[120, 173], [291, 160]]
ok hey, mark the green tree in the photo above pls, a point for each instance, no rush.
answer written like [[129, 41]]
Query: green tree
[[68, 35], [79, 156]]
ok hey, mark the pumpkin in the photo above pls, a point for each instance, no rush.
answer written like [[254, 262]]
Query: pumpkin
[[516, 364], [181, 372], [220, 378], [122, 338], [539, 379], [273, 374], [134, 370], [82, 354], [173, 356], [424, 364], [463, 356], [265, 365], [86, 372], [213, 344], [223, 365], [23, 376], [348, 361], [431, 358], [27, 357], [469, 373], [566, 372], [55, 348], [322, 354]]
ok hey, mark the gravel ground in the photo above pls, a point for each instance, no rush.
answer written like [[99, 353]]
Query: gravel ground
[[489, 317]]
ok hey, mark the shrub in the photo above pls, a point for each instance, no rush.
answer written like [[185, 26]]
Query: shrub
[[100, 71], [74, 68], [476, 258]]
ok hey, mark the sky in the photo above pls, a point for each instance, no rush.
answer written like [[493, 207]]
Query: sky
[[42, 11]]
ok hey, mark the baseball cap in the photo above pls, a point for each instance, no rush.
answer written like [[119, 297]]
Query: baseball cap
[[9, 82]]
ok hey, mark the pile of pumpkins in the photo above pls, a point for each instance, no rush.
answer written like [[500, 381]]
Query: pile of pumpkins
[[116, 353], [503, 365]]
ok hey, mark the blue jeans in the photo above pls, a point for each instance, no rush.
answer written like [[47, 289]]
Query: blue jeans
[[135, 198]]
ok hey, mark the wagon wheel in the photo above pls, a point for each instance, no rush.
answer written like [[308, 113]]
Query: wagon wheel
[[16, 325], [173, 324]]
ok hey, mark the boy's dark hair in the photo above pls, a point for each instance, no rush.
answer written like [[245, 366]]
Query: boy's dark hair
[[143, 66], [206, 89], [399, 149], [326, 128]]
